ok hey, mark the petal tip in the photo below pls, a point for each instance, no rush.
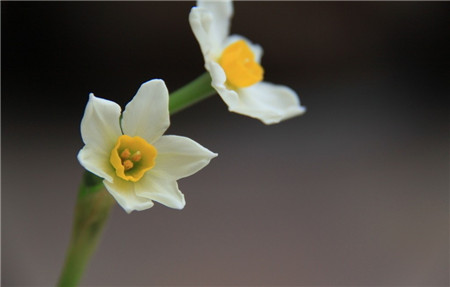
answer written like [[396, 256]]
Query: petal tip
[[181, 204], [156, 81], [154, 84]]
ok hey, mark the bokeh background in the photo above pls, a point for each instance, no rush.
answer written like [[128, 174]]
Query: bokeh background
[[355, 192]]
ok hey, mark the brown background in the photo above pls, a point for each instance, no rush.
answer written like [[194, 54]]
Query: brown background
[[355, 192]]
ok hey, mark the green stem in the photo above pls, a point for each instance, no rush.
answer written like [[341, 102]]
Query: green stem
[[94, 203], [196, 91], [91, 213]]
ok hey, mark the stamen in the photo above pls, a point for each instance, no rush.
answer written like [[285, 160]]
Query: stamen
[[128, 164], [125, 154], [136, 156]]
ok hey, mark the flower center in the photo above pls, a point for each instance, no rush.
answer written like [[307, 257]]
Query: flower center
[[132, 157], [238, 62]]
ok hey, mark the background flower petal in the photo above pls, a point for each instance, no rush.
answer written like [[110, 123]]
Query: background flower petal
[[147, 114], [268, 102], [180, 157], [161, 189], [100, 126], [221, 11], [218, 79], [201, 21], [123, 192]]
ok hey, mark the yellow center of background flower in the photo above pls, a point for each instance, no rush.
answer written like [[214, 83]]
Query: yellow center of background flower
[[238, 62], [132, 157]]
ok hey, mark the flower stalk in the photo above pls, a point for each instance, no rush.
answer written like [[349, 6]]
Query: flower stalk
[[91, 212], [94, 202], [194, 92]]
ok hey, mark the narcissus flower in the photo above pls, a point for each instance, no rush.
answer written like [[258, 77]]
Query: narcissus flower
[[139, 164], [234, 64]]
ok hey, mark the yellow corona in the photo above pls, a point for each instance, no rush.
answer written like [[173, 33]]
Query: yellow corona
[[238, 62], [132, 157]]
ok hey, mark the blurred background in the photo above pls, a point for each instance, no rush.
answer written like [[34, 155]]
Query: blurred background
[[354, 192]]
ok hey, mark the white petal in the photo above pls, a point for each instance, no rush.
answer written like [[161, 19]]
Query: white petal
[[222, 12], [209, 30], [123, 192], [100, 125], [147, 114], [268, 102], [218, 79], [201, 21], [180, 157], [160, 189], [97, 162]]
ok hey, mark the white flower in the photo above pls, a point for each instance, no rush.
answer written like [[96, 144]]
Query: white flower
[[139, 164], [234, 65]]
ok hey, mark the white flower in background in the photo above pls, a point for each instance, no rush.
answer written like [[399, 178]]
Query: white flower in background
[[139, 164], [234, 65]]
